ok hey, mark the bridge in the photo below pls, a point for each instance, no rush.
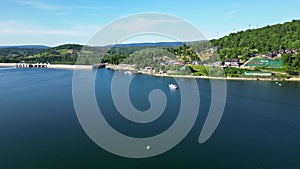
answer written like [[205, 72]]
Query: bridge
[[59, 66], [25, 65]]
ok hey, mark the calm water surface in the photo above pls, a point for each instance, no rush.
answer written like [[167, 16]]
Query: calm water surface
[[260, 127]]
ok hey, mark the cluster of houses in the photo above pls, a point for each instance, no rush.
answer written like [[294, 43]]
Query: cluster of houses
[[232, 63], [177, 62], [199, 62], [279, 53], [70, 51], [164, 62], [229, 62]]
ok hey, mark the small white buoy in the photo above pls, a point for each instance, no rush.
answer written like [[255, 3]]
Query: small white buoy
[[279, 84], [148, 147], [276, 82]]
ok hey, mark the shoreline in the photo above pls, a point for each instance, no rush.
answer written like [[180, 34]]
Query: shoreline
[[225, 78], [115, 67], [127, 68]]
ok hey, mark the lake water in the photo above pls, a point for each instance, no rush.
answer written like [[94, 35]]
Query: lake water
[[39, 128]]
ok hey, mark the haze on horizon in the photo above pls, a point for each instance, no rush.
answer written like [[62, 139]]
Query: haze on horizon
[[53, 22]]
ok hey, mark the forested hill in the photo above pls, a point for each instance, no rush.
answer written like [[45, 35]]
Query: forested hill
[[266, 39], [243, 45]]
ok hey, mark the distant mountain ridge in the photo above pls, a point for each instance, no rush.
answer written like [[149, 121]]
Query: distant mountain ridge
[[150, 44], [26, 47], [155, 44], [146, 44]]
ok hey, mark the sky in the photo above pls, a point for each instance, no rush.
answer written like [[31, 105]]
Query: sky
[[56, 22]]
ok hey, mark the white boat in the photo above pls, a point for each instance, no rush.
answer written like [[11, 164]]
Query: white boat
[[173, 86], [128, 73]]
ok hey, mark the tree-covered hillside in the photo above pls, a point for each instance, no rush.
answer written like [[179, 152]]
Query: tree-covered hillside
[[256, 41], [13, 54], [64, 54]]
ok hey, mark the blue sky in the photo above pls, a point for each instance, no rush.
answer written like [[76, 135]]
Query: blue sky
[[55, 22]]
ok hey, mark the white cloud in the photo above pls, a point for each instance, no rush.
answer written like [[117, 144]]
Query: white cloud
[[20, 33], [13, 28], [62, 13], [36, 4], [95, 7], [87, 27], [141, 23], [232, 13]]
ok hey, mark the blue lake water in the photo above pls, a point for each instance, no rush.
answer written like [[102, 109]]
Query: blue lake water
[[39, 128]]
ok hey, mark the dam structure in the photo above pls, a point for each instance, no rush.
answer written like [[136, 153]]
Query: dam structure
[[56, 66]]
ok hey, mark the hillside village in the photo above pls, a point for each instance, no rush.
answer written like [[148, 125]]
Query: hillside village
[[271, 51]]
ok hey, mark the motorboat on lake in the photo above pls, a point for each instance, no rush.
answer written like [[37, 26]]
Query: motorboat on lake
[[173, 86]]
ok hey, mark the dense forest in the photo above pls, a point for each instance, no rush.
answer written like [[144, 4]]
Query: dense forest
[[14, 54], [257, 41]]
